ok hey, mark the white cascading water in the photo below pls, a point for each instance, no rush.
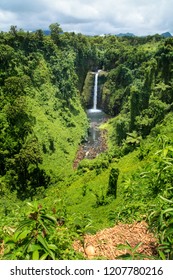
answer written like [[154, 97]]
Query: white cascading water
[[94, 109], [95, 117], [95, 91]]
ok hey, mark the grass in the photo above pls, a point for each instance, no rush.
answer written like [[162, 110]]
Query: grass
[[87, 194]]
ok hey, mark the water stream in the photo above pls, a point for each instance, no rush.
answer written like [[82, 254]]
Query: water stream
[[95, 142], [95, 119]]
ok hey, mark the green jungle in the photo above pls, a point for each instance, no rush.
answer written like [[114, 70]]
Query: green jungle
[[45, 90]]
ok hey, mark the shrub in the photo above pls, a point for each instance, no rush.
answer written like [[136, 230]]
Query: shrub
[[39, 236], [113, 178]]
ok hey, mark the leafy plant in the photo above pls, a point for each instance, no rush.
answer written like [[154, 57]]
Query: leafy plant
[[132, 252], [39, 236], [81, 224], [101, 199], [162, 217], [113, 178]]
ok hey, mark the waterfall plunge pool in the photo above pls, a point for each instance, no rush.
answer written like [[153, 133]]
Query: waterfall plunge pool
[[95, 142], [96, 118]]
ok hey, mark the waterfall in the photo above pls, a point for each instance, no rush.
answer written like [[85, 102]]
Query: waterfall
[[95, 91], [94, 109]]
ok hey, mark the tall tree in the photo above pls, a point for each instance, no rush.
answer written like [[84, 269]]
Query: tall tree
[[55, 31]]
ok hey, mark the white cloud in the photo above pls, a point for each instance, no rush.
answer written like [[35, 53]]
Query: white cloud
[[88, 16], [5, 18]]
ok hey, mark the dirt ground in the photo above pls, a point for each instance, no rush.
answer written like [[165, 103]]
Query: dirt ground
[[103, 244]]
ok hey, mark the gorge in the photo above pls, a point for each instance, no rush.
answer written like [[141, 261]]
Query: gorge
[[47, 96]]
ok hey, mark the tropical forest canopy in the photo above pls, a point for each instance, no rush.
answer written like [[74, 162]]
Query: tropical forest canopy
[[45, 88]]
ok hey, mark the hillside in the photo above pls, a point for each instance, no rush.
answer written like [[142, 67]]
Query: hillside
[[46, 87]]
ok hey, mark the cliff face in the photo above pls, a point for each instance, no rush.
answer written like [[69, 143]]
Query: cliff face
[[88, 90]]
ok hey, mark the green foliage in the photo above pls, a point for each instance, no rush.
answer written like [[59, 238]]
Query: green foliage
[[132, 252], [43, 83], [55, 30], [39, 100], [86, 97], [121, 76], [38, 237], [134, 105], [131, 142], [163, 216], [137, 86], [97, 164], [113, 178], [101, 198], [121, 129]]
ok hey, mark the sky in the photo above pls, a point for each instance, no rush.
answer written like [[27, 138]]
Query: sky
[[91, 17]]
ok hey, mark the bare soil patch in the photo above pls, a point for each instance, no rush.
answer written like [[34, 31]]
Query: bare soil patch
[[104, 243]]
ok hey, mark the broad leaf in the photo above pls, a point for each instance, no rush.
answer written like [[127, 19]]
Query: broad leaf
[[23, 235], [35, 255]]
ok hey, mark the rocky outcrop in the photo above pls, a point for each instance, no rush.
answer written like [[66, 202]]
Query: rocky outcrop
[[90, 152]]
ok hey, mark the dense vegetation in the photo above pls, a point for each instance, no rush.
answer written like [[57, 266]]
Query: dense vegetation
[[45, 87]]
